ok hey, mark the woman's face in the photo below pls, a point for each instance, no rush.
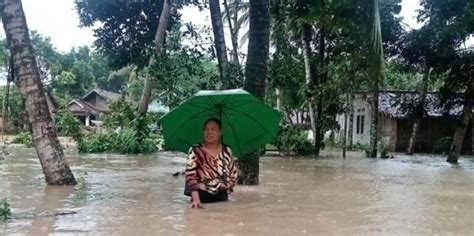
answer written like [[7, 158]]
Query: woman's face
[[212, 133]]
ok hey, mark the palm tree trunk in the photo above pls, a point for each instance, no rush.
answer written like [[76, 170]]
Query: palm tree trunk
[[6, 103], [460, 133], [418, 114], [256, 72], [322, 78], [159, 51], [219, 40], [233, 31], [376, 72], [49, 150], [309, 75], [6, 99]]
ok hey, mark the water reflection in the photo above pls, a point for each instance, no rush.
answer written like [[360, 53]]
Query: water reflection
[[136, 195]]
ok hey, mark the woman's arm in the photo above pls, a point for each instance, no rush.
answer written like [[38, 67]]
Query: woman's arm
[[192, 186], [191, 173], [233, 171]]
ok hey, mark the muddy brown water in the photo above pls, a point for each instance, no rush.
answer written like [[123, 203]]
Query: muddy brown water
[[136, 195]]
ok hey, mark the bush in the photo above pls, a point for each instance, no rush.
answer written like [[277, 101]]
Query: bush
[[442, 145], [121, 114], [123, 141], [331, 141], [384, 150], [5, 211], [71, 126], [24, 138], [301, 145], [293, 139], [126, 132]]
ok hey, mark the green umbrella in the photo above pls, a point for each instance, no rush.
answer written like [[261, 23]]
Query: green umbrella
[[247, 122]]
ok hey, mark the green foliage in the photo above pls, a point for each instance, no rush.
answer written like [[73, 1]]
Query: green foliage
[[366, 149], [442, 145], [121, 114], [16, 109], [138, 21], [293, 139], [383, 149], [331, 141], [5, 210], [185, 70], [71, 126], [124, 141], [24, 138], [126, 133], [78, 71]]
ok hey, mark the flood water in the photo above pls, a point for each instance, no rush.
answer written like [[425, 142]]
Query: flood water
[[136, 195]]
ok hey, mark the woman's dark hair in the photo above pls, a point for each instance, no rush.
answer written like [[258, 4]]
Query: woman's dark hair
[[215, 120]]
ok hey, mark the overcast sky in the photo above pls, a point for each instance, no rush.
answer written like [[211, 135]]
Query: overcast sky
[[58, 20]]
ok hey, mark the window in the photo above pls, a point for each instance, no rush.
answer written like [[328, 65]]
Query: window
[[357, 125], [360, 124]]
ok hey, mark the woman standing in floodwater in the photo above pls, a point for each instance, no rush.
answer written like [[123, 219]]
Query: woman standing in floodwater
[[211, 173]]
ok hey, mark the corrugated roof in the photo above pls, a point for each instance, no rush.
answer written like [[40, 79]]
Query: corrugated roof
[[401, 104], [86, 107], [108, 95]]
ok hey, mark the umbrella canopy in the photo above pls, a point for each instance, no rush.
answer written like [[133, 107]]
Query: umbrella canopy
[[248, 123]]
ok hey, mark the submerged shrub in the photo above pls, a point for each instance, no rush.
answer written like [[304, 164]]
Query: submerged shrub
[[292, 139], [301, 145], [71, 126], [123, 141], [125, 132], [24, 138], [5, 211]]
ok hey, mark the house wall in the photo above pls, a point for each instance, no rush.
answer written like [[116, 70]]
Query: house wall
[[101, 103], [431, 130], [91, 99], [387, 127], [364, 111], [396, 133], [388, 131], [97, 101]]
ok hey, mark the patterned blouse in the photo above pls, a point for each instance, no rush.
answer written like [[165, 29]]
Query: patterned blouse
[[212, 172]]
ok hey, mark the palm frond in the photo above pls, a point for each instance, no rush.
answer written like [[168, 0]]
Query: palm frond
[[244, 39], [376, 44]]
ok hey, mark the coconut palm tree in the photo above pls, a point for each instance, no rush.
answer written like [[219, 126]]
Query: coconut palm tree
[[256, 72], [219, 40], [51, 156], [237, 15], [376, 70]]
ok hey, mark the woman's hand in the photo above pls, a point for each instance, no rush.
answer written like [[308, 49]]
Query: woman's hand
[[196, 204], [223, 187], [196, 201]]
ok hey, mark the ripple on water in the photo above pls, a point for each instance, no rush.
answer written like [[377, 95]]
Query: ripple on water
[[120, 194]]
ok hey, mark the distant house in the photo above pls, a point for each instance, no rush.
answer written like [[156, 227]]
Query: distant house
[[90, 108], [158, 107], [395, 121]]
